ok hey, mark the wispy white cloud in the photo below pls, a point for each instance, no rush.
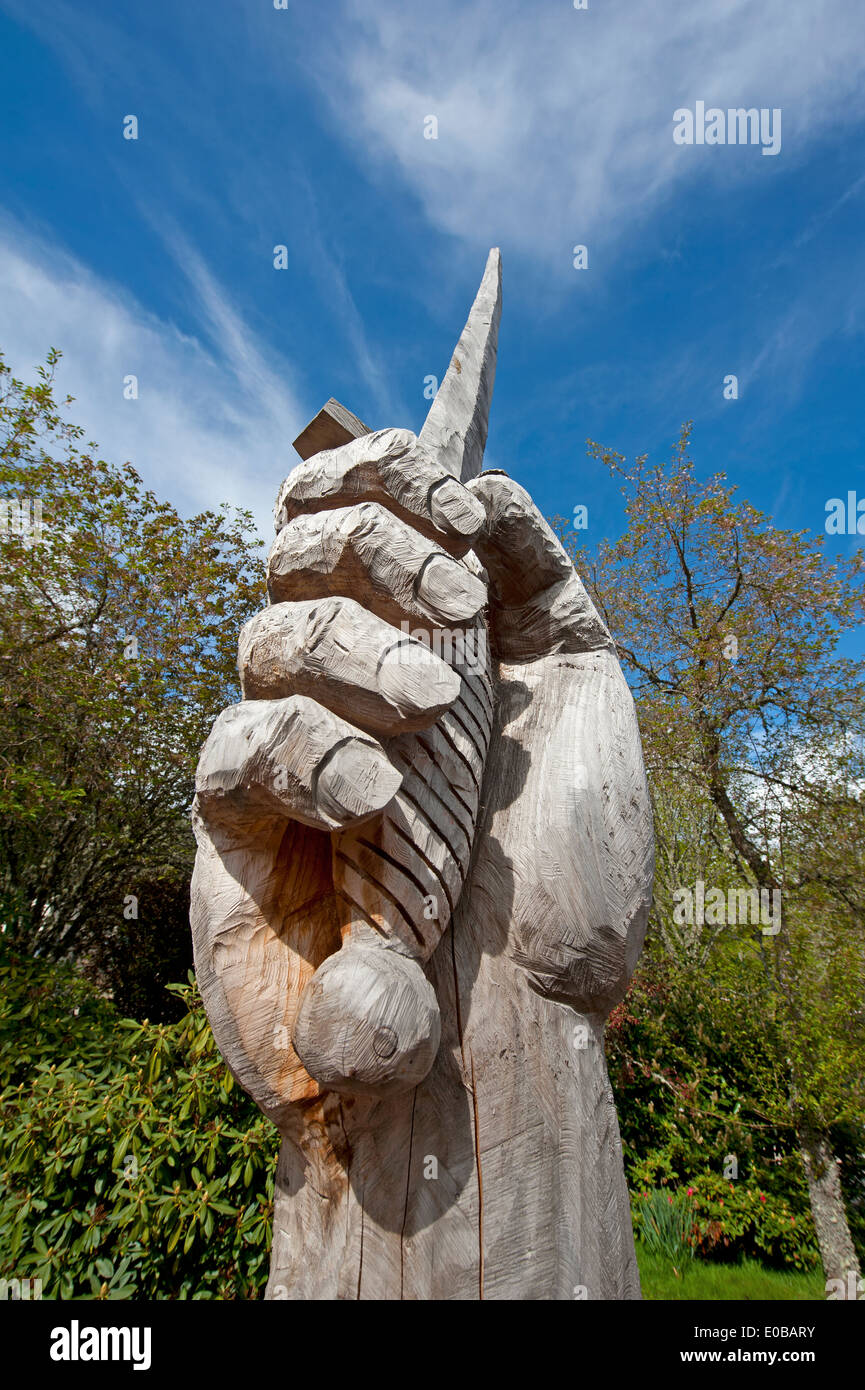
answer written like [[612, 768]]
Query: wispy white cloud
[[320, 255], [180, 73], [819, 220], [555, 125], [211, 423]]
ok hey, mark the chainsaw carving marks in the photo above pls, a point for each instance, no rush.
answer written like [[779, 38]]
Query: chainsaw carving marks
[[403, 877]]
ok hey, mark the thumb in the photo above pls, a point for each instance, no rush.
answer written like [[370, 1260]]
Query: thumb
[[538, 604]]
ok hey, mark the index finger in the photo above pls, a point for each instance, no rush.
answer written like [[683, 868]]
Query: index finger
[[392, 468]]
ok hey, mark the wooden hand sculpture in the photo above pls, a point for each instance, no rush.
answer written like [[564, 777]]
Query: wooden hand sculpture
[[424, 871]]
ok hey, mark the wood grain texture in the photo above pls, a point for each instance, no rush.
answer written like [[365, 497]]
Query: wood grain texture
[[332, 426], [526, 1197], [455, 430], [391, 468], [396, 883], [414, 986]]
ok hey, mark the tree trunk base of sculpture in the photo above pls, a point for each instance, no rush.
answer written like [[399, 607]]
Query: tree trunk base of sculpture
[[511, 1188]]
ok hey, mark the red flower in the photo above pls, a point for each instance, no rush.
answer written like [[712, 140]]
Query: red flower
[[762, 1198], [690, 1191]]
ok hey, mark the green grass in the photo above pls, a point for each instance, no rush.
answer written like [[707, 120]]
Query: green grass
[[748, 1280]]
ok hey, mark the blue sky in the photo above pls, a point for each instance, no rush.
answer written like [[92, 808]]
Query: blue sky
[[304, 126]]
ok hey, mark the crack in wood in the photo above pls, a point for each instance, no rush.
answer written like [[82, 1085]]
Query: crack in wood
[[407, 1191], [480, 1183]]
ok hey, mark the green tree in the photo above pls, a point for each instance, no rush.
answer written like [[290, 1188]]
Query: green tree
[[118, 628], [729, 630]]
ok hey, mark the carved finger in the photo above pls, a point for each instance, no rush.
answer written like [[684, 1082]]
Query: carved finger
[[349, 660], [292, 758], [389, 467], [538, 600], [369, 554]]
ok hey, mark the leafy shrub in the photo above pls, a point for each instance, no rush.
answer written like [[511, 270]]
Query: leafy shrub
[[731, 1219], [691, 1092], [131, 1165], [739, 1216]]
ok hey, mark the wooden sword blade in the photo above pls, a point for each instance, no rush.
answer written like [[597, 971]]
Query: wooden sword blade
[[455, 429]]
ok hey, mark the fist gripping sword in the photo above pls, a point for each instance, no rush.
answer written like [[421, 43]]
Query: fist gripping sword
[[366, 794], [368, 1019]]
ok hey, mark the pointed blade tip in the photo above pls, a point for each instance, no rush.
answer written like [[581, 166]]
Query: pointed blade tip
[[456, 425]]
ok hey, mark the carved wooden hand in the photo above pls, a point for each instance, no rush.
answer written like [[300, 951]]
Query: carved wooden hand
[[358, 730], [368, 794]]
